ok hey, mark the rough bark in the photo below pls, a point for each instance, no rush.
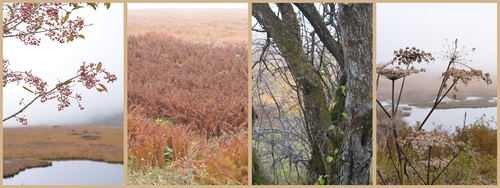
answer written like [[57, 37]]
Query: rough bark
[[354, 54], [286, 34], [259, 175], [355, 21], [335, 48]]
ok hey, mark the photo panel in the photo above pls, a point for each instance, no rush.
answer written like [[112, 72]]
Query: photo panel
[[312, 93], [63, 89], [436, 93], [187, 93]]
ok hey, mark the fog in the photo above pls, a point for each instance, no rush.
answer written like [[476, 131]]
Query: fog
[[53, 62], [423, 87], [187, 5], [427, 26]]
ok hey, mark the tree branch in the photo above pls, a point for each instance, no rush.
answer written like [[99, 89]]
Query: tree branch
[[37, 97]]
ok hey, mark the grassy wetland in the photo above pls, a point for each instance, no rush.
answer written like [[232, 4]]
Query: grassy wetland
[[35, 146]]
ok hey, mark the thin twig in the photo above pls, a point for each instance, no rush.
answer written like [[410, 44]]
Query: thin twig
[[415, 170], [382, 178], [454, 157], [429, 165], [435, 105], [387, 113], [32, 101]]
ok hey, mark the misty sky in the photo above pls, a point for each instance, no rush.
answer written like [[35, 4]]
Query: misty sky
[[186, 5], [428, 25], [53, 61]]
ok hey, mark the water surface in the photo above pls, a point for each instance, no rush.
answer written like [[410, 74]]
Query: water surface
[[75, 172], [450, 118]]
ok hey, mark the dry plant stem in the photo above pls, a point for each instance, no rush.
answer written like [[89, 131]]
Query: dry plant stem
[[393, 163], [438, 95], [454, 157], [429, 165], [395, 134], [401, 91], [402, 158], [392, 160], [458, 174], [32, 101], [378, 77], [390, 152], [380, 104], [415, 170], [382, 178], [442, 81], [435, 105], [401, 170]]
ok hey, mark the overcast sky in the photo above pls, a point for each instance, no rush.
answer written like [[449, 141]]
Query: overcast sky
[[54, 61], [428, 25], [186, 5]]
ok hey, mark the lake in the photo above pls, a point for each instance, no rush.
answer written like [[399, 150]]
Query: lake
[[74, 172], [449, 118]]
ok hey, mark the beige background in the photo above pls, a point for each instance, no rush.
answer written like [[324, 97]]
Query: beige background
[[373, 171]]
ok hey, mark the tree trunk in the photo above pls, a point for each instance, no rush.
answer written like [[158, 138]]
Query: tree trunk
[[259, 175], [335, 48], [355, 22], [354, 54], [285, 32]]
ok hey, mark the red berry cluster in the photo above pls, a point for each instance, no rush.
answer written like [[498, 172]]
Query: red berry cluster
[[25, 20], [88, 75]]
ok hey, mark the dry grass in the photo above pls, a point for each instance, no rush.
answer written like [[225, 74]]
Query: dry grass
[[12, 167], [187, 97], [98, 143], [200, 86], [457, 104], [194, 160], [207, 26]]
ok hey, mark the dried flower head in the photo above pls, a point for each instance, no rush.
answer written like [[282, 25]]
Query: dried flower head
[[411, 55], [396, 72], [466, 75], [435, 163], [406, 57], [421, 140], [453, 53], [457, 59]]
